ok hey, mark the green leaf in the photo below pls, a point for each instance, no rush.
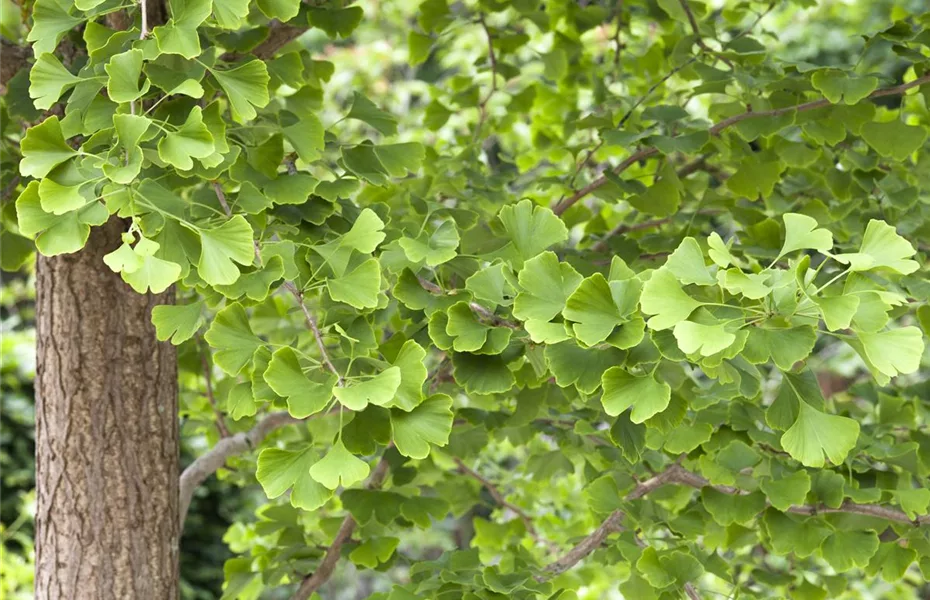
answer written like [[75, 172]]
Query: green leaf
[[787, 491], [914, 502], [492, 284], [892, 352], [468, 333], [783, 346], [177, 322], [280, 469], [428, 423], [374, 551], [894, 139], [282, 10], [378, 390], [727, 509], [754, 178], [124, 71], [531, 229], [581, 367], [365, 110], [663, 297], [286, 378], [882, 248], [339, 467], [622, 390], [433, 249], [230, 14], [180, 35], [336, 22], [815, 434], [231, 241], [412, 376], [44, 148], [801, 233], [837, 311], [49, 79], [687, 264], [401, 159], [152, 274], [306, 136], [546, 285], [364, 236], [846, 550], [790, 535], [596, 307], [246, 87], [56, 234], [60, 199], [753, 286], [52, 19], [838, 85], [359, 287], [419, 47], [190, 140], [231, 335], [482, 374], [704, 339], [661, 199], [240, 403]]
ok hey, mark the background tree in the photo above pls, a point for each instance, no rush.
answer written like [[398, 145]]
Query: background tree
[[590, 293]]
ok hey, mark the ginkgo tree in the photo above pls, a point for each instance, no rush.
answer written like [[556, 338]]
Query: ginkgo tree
[[575, 282]]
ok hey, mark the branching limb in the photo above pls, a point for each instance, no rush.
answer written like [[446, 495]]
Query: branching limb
[[676, 474], [315, 330], [718, 128], [324, 571], [501, 500], [211, 462], [208, 379], [697, 33]]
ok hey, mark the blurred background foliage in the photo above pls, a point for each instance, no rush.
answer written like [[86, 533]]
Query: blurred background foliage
[[222, 520]]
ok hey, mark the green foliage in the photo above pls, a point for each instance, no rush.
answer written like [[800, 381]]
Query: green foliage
[[635, 261]]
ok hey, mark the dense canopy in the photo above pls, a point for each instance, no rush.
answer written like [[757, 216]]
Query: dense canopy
[[516, 299]]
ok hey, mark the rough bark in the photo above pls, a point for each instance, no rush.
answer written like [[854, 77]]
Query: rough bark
[[107, 434]]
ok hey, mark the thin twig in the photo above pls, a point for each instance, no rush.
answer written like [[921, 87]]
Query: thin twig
[[324, 571], [145, 20], [617, 42], [718, 128], [213, 460], [651, 224], [653, 88], [208, 378], [499, 497], [10, 187], [697, 33], [492, 58], [315, 330], [677, 474], [221, 196]]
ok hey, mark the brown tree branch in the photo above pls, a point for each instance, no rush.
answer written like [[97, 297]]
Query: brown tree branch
[[13, 57], [676, 474], [279, 35], [500, 499], [208, 378], [324, 571], [648, 152], [697, 33], [315, 330], [213, 460]]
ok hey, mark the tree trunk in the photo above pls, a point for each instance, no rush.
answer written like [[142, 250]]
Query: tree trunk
[[107, 434]]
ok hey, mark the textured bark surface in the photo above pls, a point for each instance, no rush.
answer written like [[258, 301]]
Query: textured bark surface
[[107, 434]]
